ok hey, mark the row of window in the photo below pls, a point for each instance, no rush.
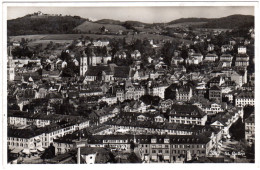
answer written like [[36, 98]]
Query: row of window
[[177, 146], [17, 144], [178, 151]]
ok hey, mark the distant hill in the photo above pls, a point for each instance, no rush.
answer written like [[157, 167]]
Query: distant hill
[[230, 22], [46, 24], [186, 24], [190, 20], [50, 24], [109, 21], [94, 27]]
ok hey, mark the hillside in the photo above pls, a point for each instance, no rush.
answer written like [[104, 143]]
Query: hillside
[[185, 24], [50, 24], [230, 22], [109, 21], [30, 25], [189, 20], [93, 27]]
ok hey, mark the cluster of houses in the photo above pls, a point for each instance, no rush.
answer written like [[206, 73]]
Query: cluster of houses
[[167, 111]]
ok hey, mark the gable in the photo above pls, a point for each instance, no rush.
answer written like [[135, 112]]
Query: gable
[[217, 123]]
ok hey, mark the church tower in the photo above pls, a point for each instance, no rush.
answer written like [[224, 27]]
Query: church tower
[[84, 63], [94, 58], [10, 65]]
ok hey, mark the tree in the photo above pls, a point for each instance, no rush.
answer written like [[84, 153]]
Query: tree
[[133, 158], [65, 56], [237, 130], [150, 100], [49, 152], [102, 29], [167, 52], [14, 107], [132, 145]]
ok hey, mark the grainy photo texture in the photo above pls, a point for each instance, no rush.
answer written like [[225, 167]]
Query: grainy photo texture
[[98, 85]]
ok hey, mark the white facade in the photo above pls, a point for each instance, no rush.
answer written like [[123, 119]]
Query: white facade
[[241, 50]]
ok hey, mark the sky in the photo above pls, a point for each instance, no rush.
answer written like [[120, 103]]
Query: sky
[[143, 14]]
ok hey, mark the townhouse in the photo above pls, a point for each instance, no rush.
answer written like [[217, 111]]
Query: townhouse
[[226, 59], [161, 148], [44, 135], [250, 129], [245, 98], [242, 60], [215, 94], [187, 114], [211, 57], [224, 120], [183, 93], [157, 90]]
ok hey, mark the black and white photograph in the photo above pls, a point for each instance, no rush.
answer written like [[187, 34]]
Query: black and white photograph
[[129, 84]]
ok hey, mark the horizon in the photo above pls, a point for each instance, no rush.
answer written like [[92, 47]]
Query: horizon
[[149, 14]]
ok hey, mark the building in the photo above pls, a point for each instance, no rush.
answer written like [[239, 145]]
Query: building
[[242, 59], [175, 149], [210, 47], [187, 114], [109, 99], [120, 54], [241, 50], [250, 129], [160, 148], [25, 140], [183, 93], [84, 63], [245, 99], [211, 57], [192, 61], [176, 60], [157, 90], [198, 56], [216, 81], [215, 94], [136, 55], [100, 43], [226, 59], [224, 120], [10, 69], [225, 48], [166, 104]]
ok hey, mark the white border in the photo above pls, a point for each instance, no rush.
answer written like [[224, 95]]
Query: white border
[[106, 3]]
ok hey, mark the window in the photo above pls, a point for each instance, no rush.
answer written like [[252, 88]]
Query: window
[[166, 151], [160, 151], [153, 151]]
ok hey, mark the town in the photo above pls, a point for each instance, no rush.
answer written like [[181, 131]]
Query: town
[[142, 93]]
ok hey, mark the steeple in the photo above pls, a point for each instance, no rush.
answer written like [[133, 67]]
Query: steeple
[[84, 63]]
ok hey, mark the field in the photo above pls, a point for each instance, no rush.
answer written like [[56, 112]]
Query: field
[[68, 38], [95, 27]]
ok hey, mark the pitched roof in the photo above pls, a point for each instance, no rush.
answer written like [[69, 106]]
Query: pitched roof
[[95, 70], [122, 72], [214, 88], [187, 110]]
